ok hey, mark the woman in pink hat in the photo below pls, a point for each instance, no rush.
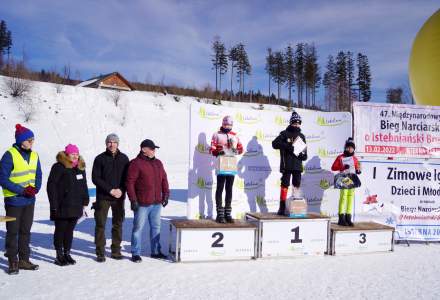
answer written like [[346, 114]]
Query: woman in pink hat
[[68, 195]]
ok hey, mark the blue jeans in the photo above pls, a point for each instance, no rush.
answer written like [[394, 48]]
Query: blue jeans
[[152, 212]]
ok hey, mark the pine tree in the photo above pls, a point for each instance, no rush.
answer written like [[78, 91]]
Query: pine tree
[[233, 61], [223, 64], [279, 71], [311, 74], [342, 82], [269, 66], [216, 47], [3, 36], [329, 82], [394, 95], [8, 43], [299, 72], [243, 66], [350, 78], [289, 69], [364, 78]]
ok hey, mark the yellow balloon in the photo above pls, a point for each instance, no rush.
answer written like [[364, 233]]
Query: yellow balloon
[[424, 63]]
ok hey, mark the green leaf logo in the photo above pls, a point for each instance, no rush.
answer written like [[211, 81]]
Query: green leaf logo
[[324, 184]]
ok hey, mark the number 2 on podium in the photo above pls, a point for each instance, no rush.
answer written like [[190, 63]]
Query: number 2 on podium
[[219, 237]]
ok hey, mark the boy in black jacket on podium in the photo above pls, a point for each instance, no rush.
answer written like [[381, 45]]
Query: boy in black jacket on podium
[[290, 164]]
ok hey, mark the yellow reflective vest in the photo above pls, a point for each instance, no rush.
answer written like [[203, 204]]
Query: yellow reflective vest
[[23, 173]]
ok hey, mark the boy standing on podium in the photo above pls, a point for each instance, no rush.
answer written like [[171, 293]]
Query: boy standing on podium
[[290, 160]]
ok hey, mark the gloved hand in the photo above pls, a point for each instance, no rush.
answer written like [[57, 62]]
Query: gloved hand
[[134, 205], [95, 205], [29, 192], [165, 200], [346, 167], [358, 172], [219, 150], [53, 214]]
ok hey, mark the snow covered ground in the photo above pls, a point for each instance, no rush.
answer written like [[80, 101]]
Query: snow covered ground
[[84, 116]]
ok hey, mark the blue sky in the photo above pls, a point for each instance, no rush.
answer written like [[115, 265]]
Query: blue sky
[[171, 40]]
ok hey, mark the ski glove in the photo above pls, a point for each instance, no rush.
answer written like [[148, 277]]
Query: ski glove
[[29, 192], [95, 205], [358, 172], [165, 200], [134, 206], [53, 214]]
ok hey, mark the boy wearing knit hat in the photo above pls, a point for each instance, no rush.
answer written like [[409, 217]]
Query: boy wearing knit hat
[[20, 178], [109, 175], [290, 164]]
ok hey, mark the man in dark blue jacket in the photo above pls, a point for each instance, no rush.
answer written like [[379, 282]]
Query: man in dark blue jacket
[[20, 178]]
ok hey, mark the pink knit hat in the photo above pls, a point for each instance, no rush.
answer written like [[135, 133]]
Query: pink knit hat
[[71, 149], [227, 120]]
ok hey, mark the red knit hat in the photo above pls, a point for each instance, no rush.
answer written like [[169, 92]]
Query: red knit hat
[[22, 134]]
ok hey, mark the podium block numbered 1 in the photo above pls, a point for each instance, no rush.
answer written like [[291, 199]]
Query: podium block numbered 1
[[364, 237], [206, 240], [281, 236]]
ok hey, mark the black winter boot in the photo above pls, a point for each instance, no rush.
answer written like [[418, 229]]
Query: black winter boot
[[220, 215], [68, 258], [282, 209], [60, 260], [348, 220], [342, 220], [228, 216], [13, 266]]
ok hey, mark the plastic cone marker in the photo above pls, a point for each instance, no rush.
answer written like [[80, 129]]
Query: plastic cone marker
[[424, 63]]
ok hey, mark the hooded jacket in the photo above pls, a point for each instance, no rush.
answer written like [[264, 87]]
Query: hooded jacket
[[67, 187], [284, 142]]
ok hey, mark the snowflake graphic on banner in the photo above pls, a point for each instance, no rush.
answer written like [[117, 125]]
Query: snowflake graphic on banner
[[390, 221]]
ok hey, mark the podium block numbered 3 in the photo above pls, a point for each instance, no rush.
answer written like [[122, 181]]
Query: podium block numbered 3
[[206, 240], [364, 237], [281, 236]]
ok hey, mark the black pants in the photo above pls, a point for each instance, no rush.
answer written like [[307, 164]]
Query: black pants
[[221, 181], [63, 235], [296, 179], [21, 229], [101, 212]]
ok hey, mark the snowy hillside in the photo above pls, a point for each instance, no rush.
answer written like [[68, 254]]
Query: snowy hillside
[[84, 116]]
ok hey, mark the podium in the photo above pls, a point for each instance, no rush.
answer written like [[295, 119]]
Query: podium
[[207, 240], [363, 237], [282, 236]]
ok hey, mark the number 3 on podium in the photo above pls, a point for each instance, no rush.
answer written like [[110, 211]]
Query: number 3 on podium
[[363, 238]]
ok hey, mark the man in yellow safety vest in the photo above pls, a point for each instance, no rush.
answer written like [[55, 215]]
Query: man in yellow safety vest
[[20, 178]]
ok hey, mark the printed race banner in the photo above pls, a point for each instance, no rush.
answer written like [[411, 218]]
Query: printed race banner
[[405, 195], [397, 130], [257, 184]]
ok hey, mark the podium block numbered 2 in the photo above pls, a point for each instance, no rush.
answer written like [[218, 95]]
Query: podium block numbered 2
[[206, 240], [364, 237], [281, 236]]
